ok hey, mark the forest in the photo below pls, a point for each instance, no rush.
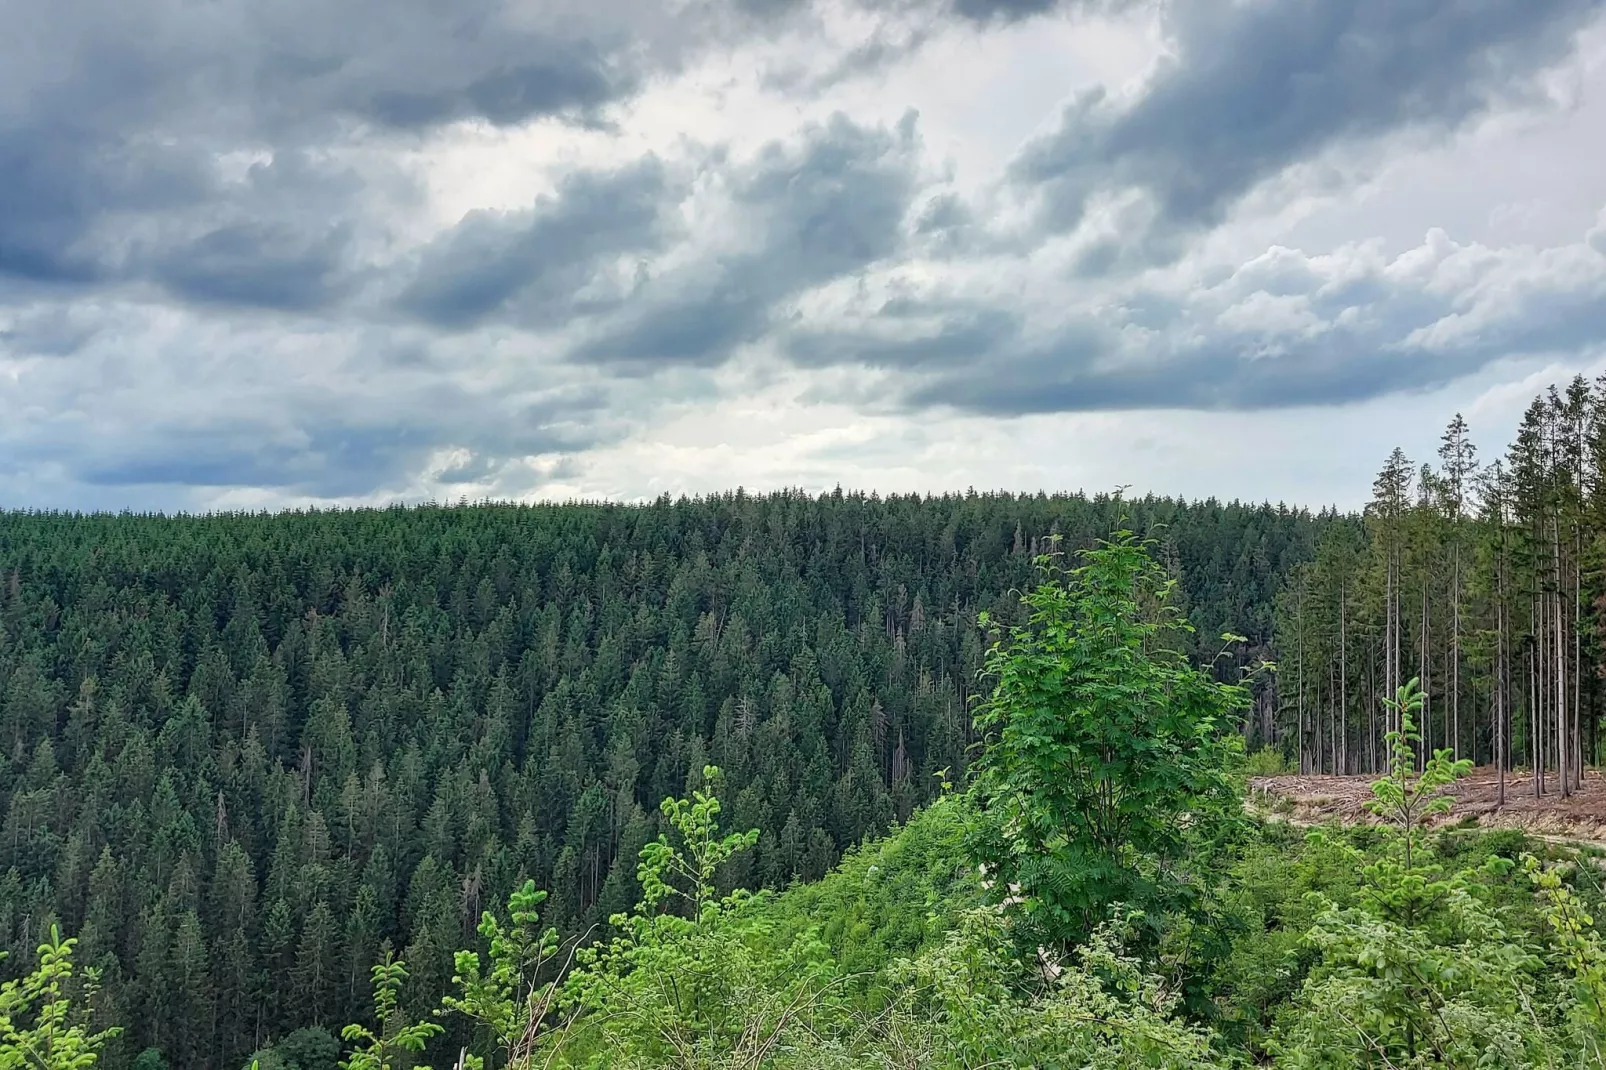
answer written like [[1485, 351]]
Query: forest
[[806, 781], [243, 751], [1486, 581]]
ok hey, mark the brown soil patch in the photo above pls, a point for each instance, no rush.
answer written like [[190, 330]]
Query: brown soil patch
[[1580, 817]]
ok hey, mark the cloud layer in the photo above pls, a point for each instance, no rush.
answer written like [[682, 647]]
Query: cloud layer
[[262, 253]]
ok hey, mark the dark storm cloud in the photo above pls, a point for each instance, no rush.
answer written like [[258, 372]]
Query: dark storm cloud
[[251, 264], [820, 211], [286, 70], [81, 215], [958, 339], [1282, 330], [529, 265], [330, 461], [573, 79], [1258, 86], [115, 117], [1408, 338], [48, 331], [194, 196], [59, 182], [329, 454], [1011, 10], [995, 11]]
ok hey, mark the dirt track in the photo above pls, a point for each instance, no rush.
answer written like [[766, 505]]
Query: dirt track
[[1580, 817]]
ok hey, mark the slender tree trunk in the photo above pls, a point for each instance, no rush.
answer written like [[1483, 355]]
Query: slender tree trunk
[[1394, 645], [1371, 709], [1425, 672], [1316, 723], [1563, 770], [1502, 676], [1533, 717], [1455, 642], [1332, 718], [1299, 613], [1578, 659], [1343, 686]]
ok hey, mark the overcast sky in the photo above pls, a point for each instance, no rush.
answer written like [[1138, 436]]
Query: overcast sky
[[275, 252]]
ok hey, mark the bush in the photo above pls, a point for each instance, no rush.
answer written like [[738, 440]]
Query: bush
[[1268, 761]]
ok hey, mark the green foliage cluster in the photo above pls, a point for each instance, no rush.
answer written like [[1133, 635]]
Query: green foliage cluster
[[890, 898], [1107, 755], [511, 1000], [39, 1024], [391, 1040], [1421, 970]]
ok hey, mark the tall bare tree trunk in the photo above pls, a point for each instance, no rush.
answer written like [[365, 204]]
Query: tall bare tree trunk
[[1533, 717], [1455, 646], [1343, 686], [1316, 726], [1332, 719], [1299, 613], [1502, 678], [1578, 660], [1425, 674], [1391, 680], [1371, 709], [1563, 770]]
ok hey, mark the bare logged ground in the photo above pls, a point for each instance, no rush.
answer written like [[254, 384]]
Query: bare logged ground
[[1580, 817]]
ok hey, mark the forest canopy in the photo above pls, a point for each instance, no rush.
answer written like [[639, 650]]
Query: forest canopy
[[1128, 911], [243, 751]]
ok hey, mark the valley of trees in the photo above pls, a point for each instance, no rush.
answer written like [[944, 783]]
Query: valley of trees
[[1095, 896], [239, 754], [1485, 579]]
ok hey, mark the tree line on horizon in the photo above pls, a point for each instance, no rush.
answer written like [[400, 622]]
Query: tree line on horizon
[[1486, 580]]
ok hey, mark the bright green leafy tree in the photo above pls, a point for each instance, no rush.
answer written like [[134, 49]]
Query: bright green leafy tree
[[509, 997], [1580, 950], [393, 1038], [1106, 752], [689, 982], [40, 1029]]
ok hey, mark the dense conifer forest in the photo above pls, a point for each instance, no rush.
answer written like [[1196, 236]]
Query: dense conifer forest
[[241, 753]]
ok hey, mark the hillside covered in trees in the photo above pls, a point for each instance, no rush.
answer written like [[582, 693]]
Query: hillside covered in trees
[[239, 753], [1095, 896]]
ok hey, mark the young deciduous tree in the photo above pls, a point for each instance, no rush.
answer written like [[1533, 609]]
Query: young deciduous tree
[[683, 985], [1106, 753], [1420, 972]]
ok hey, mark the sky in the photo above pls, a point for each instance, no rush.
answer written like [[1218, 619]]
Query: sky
[[275, 253]]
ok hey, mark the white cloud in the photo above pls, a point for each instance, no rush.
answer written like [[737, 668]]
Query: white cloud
[[715, 248]]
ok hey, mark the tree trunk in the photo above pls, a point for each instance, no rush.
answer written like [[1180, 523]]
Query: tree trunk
[[1343, 687], [1299, 613], [1563, 767], [1502, 676], [1455, 643], [1425, 673]]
